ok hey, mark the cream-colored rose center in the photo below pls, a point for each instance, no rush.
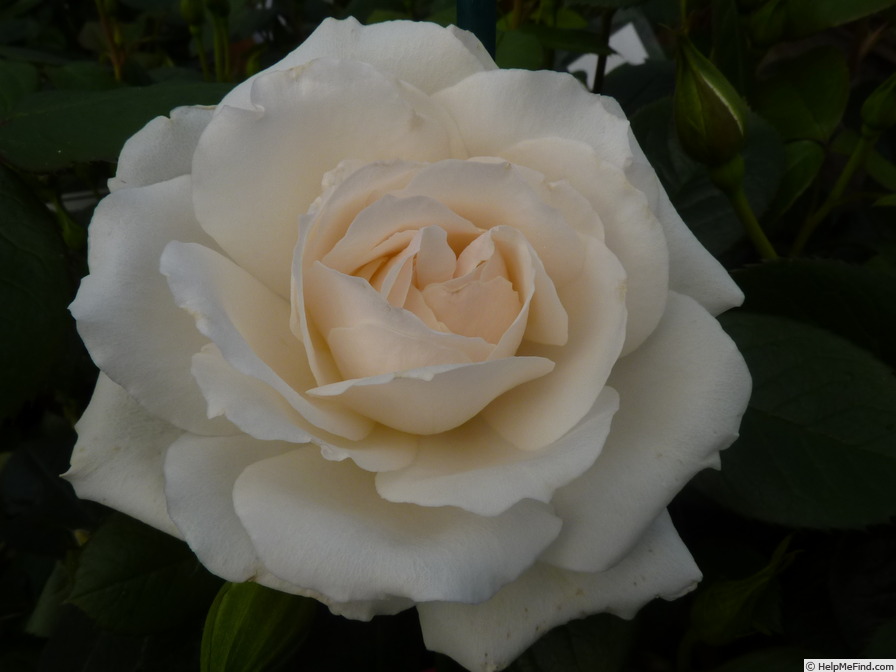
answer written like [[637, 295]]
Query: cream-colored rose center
[[457, 285]]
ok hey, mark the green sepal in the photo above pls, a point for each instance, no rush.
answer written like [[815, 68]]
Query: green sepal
[[709, 114], [250, 628]]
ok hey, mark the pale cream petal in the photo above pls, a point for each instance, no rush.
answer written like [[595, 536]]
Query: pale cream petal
[[523, 105], [473, 468], [259, 411], [161, 150], [365, 548], [536, 414], [693, 270], [682, 395], [117, 460], [368, 336], [489, 636], [126, 315], [199, 477], [423, 54], [632, 231], [434, 399], [257, 171], [250, 325]]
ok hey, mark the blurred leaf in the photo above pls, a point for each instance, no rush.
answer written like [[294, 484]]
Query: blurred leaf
[[725, 610], [601, 642], [729, 48], [634, 86], [568, 39], [817, 446], [34, 291], [608, 4], [84, 75], [52, 129], [17, 80], [132, 578], [805, 97], [883, 642], [802, 161], [778, 659], [886, 201], [880, 169], [250, 628], [78, 645], [854, 302], [517, 49], [49, 607], [806, 17]]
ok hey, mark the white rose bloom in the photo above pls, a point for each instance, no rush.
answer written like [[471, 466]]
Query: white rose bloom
[[392, 327]]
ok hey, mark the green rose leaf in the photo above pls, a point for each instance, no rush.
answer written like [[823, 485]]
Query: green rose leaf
[[133, 578], [50, 130], [249, 628], [727, 609], [805, 96], [17, 80], [854, 302], [34, 291], [818, 442]]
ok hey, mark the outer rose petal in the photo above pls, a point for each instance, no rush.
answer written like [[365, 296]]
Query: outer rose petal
[[682, 395], [161, 150], [250, 325], [126, 315], [474, 469], [199, 477], [556, 105], [203, 509], [488, 636], [422, 54], [256, 171], [632, 232], [321, 525], [693, 270], [117, 460], [258, 410]]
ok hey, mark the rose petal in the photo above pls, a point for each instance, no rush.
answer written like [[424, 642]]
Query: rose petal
[[556, 105], [488, 636], [256, 171], [126, 316], [632, 232], [510, 201], [250, 325], [117, 460], [434, 399], [199, 477], [693, 270], [367, 548], [691, 382], [535, 415], [368, 336], [476, 470], [161, 150], [368, 236], [422, 54], [258, 410]]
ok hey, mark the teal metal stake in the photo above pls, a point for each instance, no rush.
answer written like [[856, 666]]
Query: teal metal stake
[[479, 17]]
